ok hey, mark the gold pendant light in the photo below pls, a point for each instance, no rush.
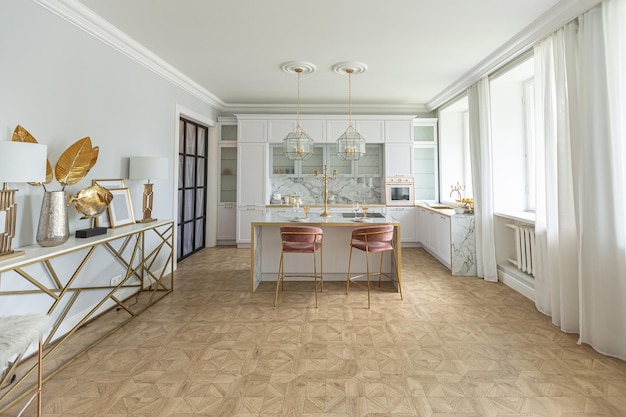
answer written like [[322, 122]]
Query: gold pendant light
[[350, 145], [298, 145]]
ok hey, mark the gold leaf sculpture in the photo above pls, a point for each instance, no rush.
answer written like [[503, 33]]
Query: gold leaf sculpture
[[22, 135], [74, 163], [72, 166]]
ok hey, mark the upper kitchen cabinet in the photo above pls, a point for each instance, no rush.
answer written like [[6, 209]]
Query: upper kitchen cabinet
[[372, 130], [425, 131], [251, 129], [399, 129], [227, 129], [278, 129], [425, 159]]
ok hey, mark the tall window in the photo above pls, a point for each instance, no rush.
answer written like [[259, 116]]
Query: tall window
[[512, 137], [529, 113], [192, 174]]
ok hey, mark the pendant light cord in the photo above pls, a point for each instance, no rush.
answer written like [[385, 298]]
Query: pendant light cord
[[350, 71]]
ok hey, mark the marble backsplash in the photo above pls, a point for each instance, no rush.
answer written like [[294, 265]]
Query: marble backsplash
[[345, 190]]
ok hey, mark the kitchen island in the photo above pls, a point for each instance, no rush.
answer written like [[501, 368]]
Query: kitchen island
[[266, 243]]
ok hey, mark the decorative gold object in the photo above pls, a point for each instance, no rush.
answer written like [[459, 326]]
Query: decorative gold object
[[92, 201], [72, 166], [325, 179]]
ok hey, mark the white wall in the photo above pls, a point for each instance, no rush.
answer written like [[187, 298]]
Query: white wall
[[62, 84]]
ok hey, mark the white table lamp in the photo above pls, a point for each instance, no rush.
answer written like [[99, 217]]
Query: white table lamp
[[19, 162], [147, 168]]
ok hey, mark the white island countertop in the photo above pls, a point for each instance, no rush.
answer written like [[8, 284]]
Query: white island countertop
[[314, 219]]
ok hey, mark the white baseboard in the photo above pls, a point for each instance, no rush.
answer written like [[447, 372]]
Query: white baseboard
[[517, 283]]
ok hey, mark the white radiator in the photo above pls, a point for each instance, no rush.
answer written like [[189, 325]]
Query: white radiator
[[524, 237]]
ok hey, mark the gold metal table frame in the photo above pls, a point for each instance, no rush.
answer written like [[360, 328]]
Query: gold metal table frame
[[137, 248]]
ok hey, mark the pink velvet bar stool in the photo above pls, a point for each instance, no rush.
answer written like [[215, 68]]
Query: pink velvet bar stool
[[300, 240], [373, 239]]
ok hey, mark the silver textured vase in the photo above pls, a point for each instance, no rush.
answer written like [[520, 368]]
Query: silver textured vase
[[53, 228]]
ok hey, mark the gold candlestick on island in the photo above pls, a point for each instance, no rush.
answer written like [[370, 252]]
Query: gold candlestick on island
[[326, 178]]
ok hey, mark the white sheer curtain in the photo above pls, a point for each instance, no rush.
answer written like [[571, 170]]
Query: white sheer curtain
[[581, 274], [482, 174]]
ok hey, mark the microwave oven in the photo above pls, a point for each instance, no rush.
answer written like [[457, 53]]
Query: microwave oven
[[400, 191]]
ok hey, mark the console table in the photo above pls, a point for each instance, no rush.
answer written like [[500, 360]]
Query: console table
[[77, 274]]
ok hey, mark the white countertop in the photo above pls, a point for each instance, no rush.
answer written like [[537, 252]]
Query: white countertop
[[315, 219]]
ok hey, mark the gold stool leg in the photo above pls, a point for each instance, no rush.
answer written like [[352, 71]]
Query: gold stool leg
[[348, 280], [367, 269], [399, 279], [315, 275], [281, 277]]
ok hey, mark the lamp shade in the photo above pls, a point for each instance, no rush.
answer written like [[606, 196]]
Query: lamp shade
[[22, 162], [147, 168]]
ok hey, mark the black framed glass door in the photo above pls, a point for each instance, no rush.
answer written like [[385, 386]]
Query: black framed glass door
[[192, 188]]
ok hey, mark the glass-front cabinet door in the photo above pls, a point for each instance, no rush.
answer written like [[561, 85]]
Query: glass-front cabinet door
[[370, 164], [279, 164], [314, 163], [228, 174], [336, 163]]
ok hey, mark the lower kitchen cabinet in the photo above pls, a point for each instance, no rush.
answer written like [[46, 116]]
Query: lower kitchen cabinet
[[226, 223], [449, 238], [407, 218], [246, 214]]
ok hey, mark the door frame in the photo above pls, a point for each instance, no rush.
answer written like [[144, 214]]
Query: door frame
[[212, 177]]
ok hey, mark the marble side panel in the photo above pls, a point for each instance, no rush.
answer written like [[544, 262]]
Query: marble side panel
[[463, 245]]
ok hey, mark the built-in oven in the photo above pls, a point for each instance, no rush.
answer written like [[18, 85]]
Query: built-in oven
[[400, 191]]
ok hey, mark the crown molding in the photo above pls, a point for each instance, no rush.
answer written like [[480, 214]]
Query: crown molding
[[85, 19], [562, 13], [383, 109]]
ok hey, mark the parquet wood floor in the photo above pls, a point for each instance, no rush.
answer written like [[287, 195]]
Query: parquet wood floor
[[455, 346]]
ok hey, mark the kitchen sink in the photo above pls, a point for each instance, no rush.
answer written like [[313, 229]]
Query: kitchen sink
[[351, 215], [440, 206]]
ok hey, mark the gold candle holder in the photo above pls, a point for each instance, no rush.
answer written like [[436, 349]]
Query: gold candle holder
[[325, 179]]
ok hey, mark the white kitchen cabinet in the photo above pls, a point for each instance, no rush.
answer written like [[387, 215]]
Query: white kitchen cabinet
[[425, 160], [246, 214], [315, 128], [251, 173], [372, 130], [251, 130], [251, 194], [226, 223], [450, 239], [407, 218], [398, 159], [442, 246], [399, 130], [278, 129], [434, 234]]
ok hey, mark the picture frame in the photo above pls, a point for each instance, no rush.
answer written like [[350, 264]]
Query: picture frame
[[115, 183], [121, 209], [108, 183]]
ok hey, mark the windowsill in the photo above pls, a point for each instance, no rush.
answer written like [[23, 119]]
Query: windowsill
[[522, 216]]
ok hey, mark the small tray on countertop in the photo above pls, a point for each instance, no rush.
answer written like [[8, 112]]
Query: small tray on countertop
[[300, 219]]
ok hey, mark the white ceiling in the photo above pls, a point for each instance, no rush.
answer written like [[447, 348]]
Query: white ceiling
[[414, 49]]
